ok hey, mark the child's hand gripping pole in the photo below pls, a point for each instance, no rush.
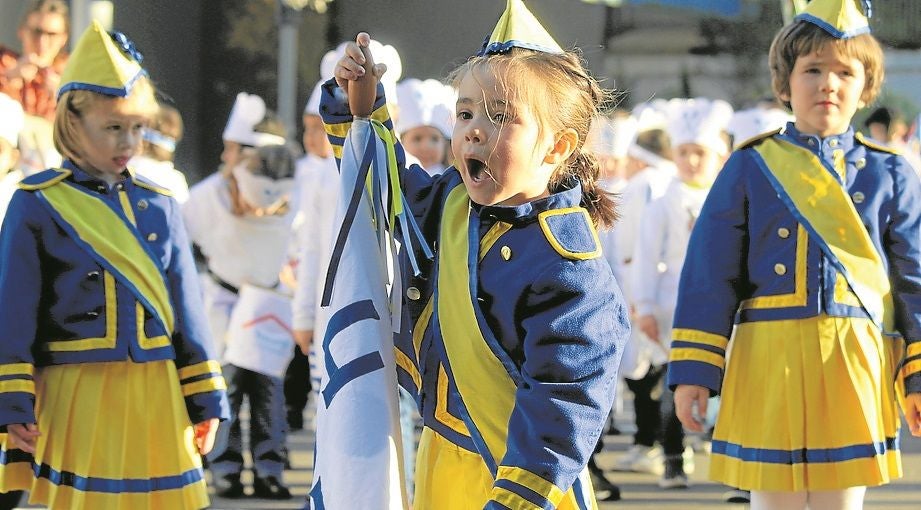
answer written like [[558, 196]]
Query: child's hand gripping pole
[[357, 74]]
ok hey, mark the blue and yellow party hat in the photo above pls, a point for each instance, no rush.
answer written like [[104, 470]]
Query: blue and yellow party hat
[[105, 63], [518, 28], [842, 19]]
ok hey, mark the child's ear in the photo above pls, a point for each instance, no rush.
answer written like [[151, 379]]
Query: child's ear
[[564, 145]]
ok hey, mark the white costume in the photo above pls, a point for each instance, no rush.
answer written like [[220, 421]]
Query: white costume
[[239, 249], [162, 173], [10, 128], [662, 242], [665, 228]]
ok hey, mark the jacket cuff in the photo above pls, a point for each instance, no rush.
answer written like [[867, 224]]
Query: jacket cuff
[[695, 373], [16, 407], [517, 487], [204, 390]]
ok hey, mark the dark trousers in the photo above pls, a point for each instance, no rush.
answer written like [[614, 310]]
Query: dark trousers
[[647, 406], [297, 384], [10, 500], [266, 425], [672, 433]]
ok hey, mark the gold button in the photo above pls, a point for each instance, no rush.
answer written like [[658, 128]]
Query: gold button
[[833, 142], [152, 236], [783, 233], [506, 252], [858, 197], [413, 293], [860, 163], [142, 204], [780, 269]]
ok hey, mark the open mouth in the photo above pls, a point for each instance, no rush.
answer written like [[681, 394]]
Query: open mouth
[[477, 170]]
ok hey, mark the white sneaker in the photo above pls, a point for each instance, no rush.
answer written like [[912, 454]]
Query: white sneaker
[[642, 459], [688, 458], [674, 476]]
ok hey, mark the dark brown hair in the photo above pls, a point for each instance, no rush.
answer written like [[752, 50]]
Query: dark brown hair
[[563, 95], [802, 38]]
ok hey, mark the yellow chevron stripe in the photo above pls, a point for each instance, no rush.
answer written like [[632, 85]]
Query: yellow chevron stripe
[[407, 364]]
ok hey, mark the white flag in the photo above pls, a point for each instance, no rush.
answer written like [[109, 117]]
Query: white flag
[[358, 463]]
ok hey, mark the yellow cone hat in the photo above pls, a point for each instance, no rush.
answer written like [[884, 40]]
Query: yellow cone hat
[[518, 28], [103, 63], [842, 19]]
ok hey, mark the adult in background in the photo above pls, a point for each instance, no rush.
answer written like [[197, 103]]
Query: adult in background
[[32, 78]]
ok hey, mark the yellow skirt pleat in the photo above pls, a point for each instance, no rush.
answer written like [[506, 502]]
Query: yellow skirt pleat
[[449, 477], [113, 435], [808, 404]]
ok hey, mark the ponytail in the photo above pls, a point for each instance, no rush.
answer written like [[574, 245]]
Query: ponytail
[[600, 203]]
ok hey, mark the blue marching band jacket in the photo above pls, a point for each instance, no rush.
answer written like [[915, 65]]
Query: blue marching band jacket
[[518, 327], [796, 226], [94, 273]]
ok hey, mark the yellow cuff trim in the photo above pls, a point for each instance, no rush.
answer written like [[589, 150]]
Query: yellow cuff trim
[[914, 349], [212, 384], [22, 385], [911, 368], [341, 130], [511, 500], [689, 354], [205, 367], [700, 337], [17, 369], [536, 483]]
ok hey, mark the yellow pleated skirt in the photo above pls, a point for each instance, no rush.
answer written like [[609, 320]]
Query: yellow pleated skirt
[[449, 477], [808, 404], [114, 436]]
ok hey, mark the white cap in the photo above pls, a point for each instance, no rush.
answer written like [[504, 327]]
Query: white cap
[[383, 54], [747, 124], [612, 136], [313, 102], [651, 115], [12, 119], [248, 110], [425, 103], [701, 121]]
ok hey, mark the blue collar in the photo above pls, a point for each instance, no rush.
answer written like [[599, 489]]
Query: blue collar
[[81, 177], [568, 195], [818, 145]]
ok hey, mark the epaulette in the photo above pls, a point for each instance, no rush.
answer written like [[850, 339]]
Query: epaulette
[[875, 146], [570, 232], [144, 183], [757, 139], [44, 179]]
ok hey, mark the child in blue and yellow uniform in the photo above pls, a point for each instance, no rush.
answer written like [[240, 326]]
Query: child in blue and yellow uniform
[[810, 239], [518, 322], [106, 359]]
